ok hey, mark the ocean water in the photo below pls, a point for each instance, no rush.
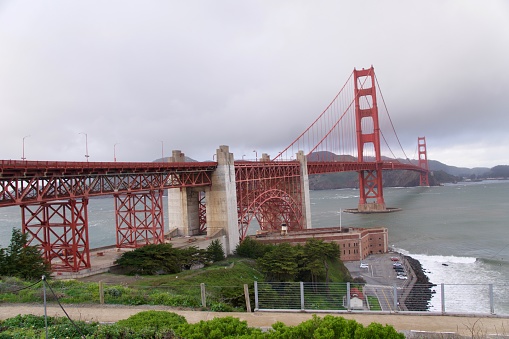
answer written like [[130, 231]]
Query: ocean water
[[458, 232]]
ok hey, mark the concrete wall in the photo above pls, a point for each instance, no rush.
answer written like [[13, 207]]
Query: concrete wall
[[222, 200], [306, 202], [183, 205]]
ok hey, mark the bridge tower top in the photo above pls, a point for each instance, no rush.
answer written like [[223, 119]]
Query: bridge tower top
[[423, 160]]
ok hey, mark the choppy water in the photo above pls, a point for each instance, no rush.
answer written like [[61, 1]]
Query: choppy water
[[463, 226]]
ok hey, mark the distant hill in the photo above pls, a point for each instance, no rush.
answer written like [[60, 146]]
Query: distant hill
[[439, 173]]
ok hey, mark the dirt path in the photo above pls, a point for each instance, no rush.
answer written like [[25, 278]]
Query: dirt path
[[469, 326]]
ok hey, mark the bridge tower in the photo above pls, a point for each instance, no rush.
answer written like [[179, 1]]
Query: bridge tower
[[423, 161], [368, 135]]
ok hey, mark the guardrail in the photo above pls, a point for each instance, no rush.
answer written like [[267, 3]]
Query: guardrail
[[488, 299]]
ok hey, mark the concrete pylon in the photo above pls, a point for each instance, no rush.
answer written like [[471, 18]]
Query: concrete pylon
[[222, 200], [183, 205], [304, 185]]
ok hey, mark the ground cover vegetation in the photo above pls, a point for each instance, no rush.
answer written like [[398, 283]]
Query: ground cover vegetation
[[162, 324], [314, 262]]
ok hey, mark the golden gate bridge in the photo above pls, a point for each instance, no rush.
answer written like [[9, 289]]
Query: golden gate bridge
[[207, 197]]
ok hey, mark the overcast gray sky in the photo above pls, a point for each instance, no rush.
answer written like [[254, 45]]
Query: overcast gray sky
[[248, 74]]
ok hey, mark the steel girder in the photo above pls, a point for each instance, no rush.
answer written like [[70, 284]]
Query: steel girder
[[271, 192], [202, 211], [139, 219], [22, 190], [60, 230]]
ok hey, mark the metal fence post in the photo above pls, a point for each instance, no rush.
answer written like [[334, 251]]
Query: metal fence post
[[203, 297], [492, 306], [348, 296], [256, 295], [442, 299], [302, 306], [395, 300]]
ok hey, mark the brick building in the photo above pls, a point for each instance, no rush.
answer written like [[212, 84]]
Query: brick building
[[354, 243]]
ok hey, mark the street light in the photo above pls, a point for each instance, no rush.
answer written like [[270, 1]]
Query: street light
[[162, 150], [86, 145], [243, 155], [114, 152], [256, 154], [23, 154]]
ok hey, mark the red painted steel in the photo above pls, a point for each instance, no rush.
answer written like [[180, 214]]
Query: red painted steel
[[60, 229], [269, 192], [24, 182], [202, 212], [423, 161], [139, 219], [368, 132]]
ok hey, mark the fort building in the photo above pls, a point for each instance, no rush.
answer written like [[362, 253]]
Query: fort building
[[354, 243]]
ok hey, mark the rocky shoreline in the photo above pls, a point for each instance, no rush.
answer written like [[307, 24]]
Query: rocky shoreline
[[420, 296]]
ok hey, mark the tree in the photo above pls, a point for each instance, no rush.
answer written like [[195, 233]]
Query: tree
[[215, 251], [22, 261], [280, 264], [316, 257]]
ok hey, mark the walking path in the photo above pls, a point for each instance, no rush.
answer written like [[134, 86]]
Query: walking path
[[402, 322]]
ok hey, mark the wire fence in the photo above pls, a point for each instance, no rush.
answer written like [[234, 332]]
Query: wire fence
[[474, 299], [348, 297]]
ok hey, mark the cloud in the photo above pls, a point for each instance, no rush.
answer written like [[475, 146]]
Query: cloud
[[252, 75]]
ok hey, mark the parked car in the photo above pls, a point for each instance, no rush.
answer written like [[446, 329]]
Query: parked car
[[404, 277], [364, 265], [397, 264], [394, 258]]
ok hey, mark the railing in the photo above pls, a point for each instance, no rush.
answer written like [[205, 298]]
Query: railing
[[488, 299]]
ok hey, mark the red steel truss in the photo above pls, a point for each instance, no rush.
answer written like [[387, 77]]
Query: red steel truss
[[368, 132], [60, 229], [139, 219], [423, 161], [23, 182], [271, 192], [202, 212]]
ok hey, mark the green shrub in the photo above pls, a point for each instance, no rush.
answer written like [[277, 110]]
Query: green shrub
[[153, 319], [218, 328], [253, 249], [215, 251]]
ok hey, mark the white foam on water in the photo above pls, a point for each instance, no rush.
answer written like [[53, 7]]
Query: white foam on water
[[466, 283]]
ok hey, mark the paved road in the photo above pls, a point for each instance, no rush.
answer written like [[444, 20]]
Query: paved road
[[381, 279], [401, 322]]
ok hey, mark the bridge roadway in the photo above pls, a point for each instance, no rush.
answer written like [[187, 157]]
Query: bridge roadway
[[24, 182]]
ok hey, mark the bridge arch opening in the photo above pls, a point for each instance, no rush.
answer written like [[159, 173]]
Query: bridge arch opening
[[271, 209]]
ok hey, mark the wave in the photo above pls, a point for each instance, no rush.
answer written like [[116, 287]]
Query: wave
[[441, 259], [495, 262]]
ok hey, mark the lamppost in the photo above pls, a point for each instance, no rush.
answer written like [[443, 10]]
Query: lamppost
[[162, 150], [243, 155], [114, 152], [86, 145], [23, 154], [256, 155]]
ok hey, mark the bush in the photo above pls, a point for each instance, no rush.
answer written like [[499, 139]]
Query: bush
[[218, 328], [153, 319], [215, 251], [253, 249]]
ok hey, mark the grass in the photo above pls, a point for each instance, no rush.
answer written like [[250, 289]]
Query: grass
[[374, 305], [224, 284]]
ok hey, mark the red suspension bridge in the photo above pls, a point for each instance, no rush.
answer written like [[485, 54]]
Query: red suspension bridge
[[206, 197]]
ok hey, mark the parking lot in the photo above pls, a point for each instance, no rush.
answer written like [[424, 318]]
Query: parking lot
[[381, 277]]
